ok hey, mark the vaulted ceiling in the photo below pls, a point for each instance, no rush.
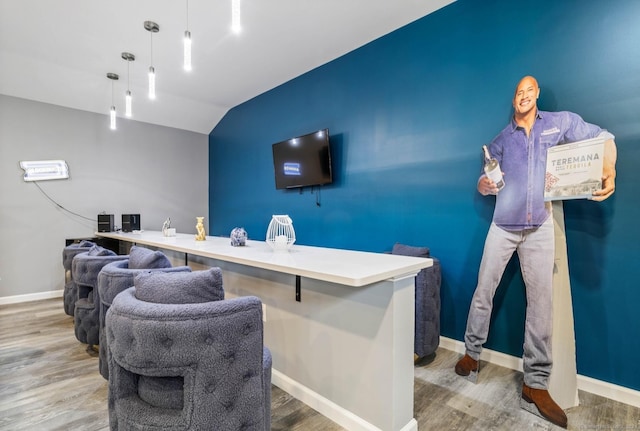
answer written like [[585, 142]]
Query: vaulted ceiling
[[60, 51]]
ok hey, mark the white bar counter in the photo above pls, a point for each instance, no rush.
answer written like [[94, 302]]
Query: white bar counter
[[346, 347]]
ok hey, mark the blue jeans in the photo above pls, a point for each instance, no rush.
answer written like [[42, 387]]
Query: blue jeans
[[535, 249]]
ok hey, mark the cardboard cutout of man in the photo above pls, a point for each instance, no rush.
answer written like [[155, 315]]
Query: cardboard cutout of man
[[522, 223]]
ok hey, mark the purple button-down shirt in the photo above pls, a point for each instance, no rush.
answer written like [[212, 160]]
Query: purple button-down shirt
[[520, 204]]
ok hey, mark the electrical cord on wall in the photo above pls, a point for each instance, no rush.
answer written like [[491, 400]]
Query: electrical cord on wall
[[60, 206]]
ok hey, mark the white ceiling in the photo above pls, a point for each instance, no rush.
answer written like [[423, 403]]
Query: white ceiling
[[59, 51]]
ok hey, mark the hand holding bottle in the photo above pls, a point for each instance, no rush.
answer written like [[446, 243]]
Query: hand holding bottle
[[487, 187]]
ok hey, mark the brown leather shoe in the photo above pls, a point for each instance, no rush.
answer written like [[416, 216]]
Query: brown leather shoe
[[468, 367], [539, 402]]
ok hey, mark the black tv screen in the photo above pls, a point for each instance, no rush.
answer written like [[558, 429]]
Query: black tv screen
[[303, 161]]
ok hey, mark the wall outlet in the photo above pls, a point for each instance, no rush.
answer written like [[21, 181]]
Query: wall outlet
[[264, 312]]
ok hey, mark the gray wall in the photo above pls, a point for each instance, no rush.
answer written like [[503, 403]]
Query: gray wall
[[155, 171]]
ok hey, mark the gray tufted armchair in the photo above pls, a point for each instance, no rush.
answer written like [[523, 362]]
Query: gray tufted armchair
[[70, 294], [85, 269], [118, 276], [182, 358], [427, 297]]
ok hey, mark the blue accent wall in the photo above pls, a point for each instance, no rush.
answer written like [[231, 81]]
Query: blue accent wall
[[407, 115]]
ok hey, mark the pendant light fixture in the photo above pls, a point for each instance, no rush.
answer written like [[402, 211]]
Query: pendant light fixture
[[112, 112], [235, 17], [127, 98], [187, 44], [152, 27]]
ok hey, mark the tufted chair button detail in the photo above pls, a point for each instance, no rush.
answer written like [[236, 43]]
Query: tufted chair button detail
[[210, 388], [167, 342], [248, 328], [228, 405]]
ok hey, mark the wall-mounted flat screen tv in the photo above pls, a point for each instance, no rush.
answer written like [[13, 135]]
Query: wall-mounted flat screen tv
[[303, 161]]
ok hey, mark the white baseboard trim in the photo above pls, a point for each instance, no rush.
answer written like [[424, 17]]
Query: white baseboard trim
[[609, 390], [326, 407], [4, 300], [587, 384]]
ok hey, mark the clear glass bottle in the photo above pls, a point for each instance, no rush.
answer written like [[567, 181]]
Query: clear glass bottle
[[492, 169]]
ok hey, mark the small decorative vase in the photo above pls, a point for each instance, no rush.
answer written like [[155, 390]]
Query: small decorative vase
[[201, 235], [280, 233], [238, 237]]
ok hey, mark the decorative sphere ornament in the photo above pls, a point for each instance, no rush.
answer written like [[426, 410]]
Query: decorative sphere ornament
[[238, 237]]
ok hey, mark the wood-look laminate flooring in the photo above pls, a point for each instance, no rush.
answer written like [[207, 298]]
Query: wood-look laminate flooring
[[50, 381]]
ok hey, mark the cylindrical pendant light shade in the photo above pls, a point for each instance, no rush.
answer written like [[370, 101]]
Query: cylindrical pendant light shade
[[127, 95], [187, 50], [152, 83], [112, 115], [235, 16], [112, 111], [127, 104]]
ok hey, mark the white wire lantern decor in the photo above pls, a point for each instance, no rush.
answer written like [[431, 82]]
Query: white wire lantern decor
[[280, 233]]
